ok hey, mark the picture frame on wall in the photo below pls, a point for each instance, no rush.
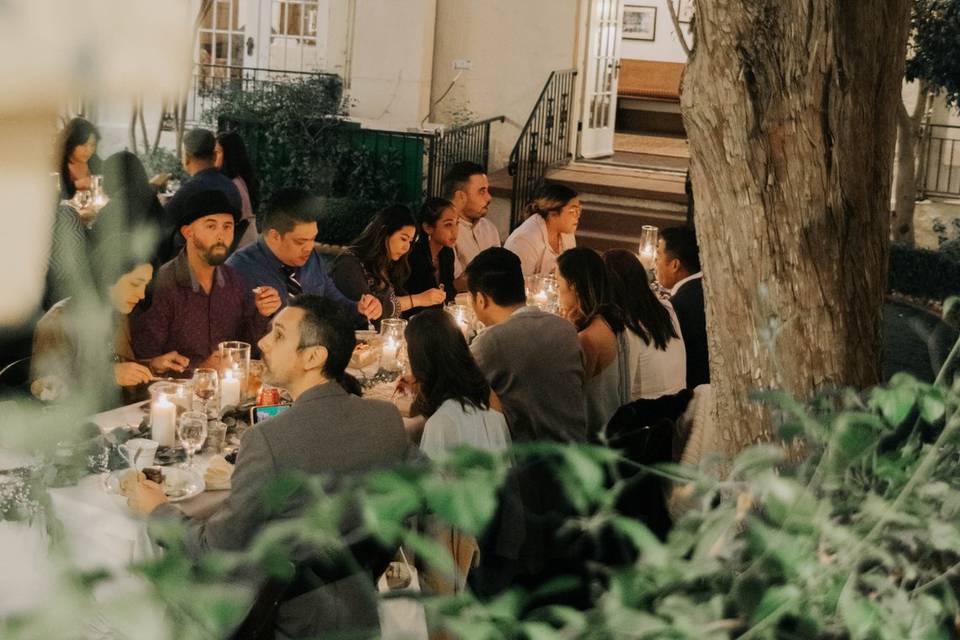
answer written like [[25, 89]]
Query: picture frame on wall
[[685, 11], [639, 23]]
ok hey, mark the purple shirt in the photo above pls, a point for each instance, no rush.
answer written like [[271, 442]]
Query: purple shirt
[[185, 319]]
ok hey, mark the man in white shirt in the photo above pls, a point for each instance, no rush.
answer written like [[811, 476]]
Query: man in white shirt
[[466, 186]]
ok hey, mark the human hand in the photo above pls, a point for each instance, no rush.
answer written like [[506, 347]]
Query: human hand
[[433, 296], [143, 496], [171, 361], [267, 300], [130, 374], [82, 183], [370, 307], [406, 385], [212, 361]]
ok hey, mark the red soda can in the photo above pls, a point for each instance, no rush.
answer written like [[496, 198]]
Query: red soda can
[[268, 396]]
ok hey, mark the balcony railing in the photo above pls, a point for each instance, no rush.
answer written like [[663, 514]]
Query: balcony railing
[[940, 161]]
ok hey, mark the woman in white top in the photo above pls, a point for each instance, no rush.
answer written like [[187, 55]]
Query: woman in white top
[[548, 231], [658, 360], [585, 300], [451, 391], [230, 156]]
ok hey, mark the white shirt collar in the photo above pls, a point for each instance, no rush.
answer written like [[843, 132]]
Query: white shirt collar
[[697, 276]]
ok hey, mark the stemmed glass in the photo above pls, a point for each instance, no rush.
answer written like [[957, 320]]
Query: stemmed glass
[[192, 433], [206, 383]]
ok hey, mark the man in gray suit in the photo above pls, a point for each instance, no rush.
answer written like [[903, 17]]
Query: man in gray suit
[[325, 431]]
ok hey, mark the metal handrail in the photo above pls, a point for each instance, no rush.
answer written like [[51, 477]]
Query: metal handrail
[[542, 143], [934, 149]]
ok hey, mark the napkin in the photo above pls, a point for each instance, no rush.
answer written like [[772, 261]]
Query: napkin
[[218, 473]]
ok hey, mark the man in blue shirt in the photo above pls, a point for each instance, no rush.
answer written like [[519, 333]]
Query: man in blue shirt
[[283, 257]]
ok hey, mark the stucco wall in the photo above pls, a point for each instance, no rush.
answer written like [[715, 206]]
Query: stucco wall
[[512, 46], [665, 47]]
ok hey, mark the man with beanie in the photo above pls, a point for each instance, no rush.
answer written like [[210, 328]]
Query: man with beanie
[[199, 301]]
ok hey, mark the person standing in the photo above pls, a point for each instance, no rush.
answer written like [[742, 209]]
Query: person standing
[[230, 157], [678, 269], [78, 156]]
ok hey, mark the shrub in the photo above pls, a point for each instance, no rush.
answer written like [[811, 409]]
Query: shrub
[[933, 275]]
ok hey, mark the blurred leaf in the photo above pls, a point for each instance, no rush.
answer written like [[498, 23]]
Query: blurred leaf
[[854, 434], [757, 458], [777, 602], [651, 549], [432, 552], [465, 503], [895, 402], [932, 405], [280, 490], [858, 614]]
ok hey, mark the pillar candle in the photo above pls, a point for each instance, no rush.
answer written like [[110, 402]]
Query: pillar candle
[[229, 389], [163, 421]]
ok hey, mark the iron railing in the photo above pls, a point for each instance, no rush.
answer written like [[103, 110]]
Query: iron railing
[[469, 142], [212, 82], [543, 142], [940, 161]]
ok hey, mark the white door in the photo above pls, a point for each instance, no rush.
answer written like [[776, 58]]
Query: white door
[[600, 82]]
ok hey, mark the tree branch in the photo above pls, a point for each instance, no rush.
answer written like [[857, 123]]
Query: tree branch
[[676, 25]]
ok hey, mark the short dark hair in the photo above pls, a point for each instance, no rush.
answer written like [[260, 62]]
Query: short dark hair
[[199, 144], [289, 207], [496, 273], [327, 325], [441, 362], [681, 244], [458, 176]]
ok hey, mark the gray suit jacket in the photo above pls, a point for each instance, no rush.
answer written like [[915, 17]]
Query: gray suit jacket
[[325, 431]]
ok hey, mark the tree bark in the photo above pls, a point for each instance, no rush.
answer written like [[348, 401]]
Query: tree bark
[[905, 187], [790, 107]]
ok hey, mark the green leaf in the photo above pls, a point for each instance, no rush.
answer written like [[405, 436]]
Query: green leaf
[[777, 602], [758, 458], [539, 631], [932, 405], [465, 503], [432, 552], [854, 434], [895, 402], [858, 614], [651, 549]]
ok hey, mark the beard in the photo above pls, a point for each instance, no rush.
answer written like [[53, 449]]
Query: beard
[[214, 255]]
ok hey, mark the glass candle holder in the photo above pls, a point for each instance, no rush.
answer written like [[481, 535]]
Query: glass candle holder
[[461, 317], [235, 358], [647, 251], [391, 330]]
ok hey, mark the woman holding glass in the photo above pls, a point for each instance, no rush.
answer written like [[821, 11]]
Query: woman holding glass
[[78, 156], [377, 264], [585, 300]]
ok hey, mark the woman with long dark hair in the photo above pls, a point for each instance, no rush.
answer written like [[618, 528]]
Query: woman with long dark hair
[[377, 263], [78, 156], [432, 256], [230, 157], [552, 219], [132, 201], [658, 361], [585, 300]]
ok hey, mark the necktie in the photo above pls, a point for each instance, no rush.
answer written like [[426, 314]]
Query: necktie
[[294, 288]]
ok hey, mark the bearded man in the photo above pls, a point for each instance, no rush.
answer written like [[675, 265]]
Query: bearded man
[[198, 301]]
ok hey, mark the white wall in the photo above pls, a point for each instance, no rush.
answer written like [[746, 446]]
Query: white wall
[[391, 60], [513, 46], [665, 47]]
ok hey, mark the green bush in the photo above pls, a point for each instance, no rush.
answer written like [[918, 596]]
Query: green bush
[[933, 275]]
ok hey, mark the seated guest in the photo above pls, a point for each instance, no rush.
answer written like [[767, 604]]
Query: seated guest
[[455, 397], [548, 231], [531, 358], [132, 199], [467, 188], [59, 362], [326, 431], [377, 264], [198, 161], [284, 258], [198, 301], [432, 256], [585, 301], [658, 359], [230, 157], [678, 269], [78, 156]]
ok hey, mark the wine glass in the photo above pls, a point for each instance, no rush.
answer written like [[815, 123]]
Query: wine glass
[[192, 433], [206, 383]]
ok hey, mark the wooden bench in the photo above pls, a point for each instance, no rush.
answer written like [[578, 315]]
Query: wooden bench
[[648, 96]]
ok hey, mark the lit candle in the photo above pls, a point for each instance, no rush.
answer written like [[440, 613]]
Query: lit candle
[[540, 297], [163, 421], [388, 355], [230, 388], [647, 257]]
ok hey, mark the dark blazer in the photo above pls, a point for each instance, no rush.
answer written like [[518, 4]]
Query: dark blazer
[[325, 431], [688, 303]]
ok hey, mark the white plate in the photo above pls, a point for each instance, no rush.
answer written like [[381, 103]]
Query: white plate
[[179, 484]]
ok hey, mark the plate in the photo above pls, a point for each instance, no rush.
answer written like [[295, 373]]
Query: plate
[[179, 484]]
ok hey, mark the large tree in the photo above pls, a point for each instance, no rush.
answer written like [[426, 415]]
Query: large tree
[[933, 63], [791, 110]]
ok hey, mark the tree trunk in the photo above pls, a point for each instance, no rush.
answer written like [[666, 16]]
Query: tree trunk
[[905, 187], [790, 108]]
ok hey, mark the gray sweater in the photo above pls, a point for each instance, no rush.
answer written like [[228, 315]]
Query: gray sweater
[[534, 365]]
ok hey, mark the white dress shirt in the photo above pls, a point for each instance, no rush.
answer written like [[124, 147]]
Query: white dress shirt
[[697, 276], [472, 238]]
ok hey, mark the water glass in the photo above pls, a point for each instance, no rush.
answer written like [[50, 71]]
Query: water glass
[[192, 433], [216, 435]]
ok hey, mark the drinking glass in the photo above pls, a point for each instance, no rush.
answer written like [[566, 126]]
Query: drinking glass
[[192, 433], [83, 198], [206, 383]]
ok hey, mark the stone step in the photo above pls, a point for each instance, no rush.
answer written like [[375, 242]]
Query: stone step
[[621, 181], [627, 220], [599, 241]]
